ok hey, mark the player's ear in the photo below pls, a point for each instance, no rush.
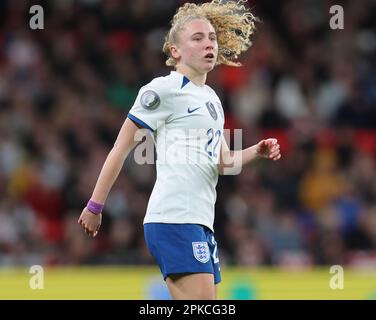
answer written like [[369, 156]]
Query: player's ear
[[175, 52]]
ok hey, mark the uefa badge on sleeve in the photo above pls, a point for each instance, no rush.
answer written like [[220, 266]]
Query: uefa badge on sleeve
[[150, 100], [201, 251]]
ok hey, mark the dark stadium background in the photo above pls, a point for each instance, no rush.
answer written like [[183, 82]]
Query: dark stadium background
[[66, 90]]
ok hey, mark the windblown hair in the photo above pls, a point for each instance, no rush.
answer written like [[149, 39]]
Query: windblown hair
[[232, 21]]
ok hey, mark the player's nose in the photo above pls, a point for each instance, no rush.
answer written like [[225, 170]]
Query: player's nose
[[209, 46]]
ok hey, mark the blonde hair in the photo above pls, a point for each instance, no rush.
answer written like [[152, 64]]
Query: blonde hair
[[232, 22]]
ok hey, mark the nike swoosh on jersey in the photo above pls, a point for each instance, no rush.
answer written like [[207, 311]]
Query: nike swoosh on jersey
[[193, 110]]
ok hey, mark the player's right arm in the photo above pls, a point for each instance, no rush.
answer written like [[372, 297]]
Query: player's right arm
[[123, 145], [149, 110]]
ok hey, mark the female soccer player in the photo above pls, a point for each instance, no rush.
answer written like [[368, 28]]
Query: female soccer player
[[186, 120]]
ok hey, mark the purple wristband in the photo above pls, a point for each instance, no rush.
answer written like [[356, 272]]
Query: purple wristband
[[94, 207]]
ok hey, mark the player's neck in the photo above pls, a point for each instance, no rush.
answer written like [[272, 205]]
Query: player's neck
[[193, 76]]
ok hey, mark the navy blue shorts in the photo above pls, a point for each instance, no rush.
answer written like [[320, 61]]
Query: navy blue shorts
[[183, 248]]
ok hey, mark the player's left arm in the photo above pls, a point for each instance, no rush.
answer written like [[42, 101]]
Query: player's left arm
[[231, 161]]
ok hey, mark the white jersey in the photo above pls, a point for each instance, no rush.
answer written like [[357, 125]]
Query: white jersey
[[187, 124]]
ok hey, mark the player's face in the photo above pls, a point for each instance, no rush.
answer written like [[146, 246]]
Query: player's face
[[197, 47]]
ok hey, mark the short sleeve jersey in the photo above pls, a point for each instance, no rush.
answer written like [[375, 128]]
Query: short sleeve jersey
[[187, 122]]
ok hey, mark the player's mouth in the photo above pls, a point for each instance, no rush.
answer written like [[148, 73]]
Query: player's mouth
[[210, 56]]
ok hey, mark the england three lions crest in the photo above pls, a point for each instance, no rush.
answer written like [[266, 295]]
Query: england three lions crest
[[212, 110], [201, 251]]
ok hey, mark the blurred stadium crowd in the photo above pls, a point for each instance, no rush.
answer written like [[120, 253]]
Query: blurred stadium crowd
[[66, 90]]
